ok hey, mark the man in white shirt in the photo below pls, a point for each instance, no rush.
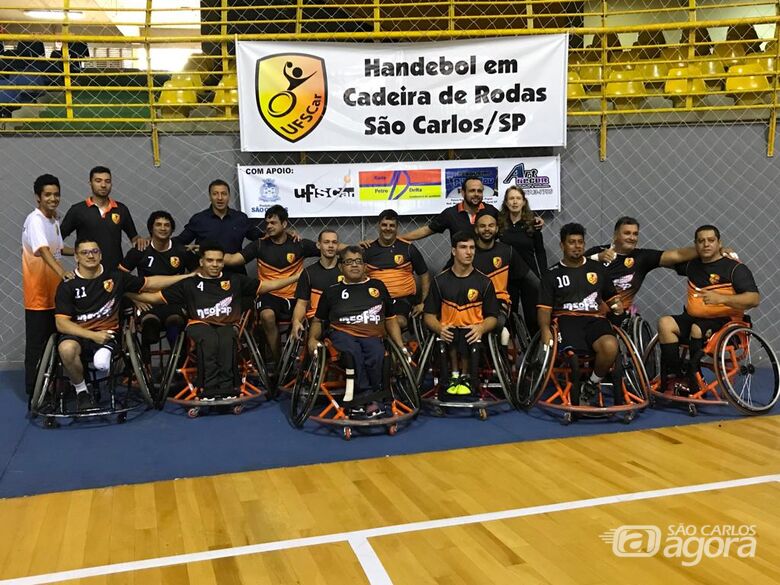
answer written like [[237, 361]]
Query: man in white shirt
[[42, 271]]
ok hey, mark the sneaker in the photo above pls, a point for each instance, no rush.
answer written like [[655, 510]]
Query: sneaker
[[458, 387], [589, 393], [356, 412], [681, 389], [84, 401]]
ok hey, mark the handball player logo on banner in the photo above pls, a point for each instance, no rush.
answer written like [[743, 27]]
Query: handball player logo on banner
[[292, 93]]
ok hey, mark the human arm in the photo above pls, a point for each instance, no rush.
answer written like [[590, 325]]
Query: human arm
[[143, 301], [51, 262], [425, 288], [544, 318], [418, 234], [540, 252], [157, 283], [740, 302], [249, 253], [490, 311], [186, 235], [394, 331], [68, 327], [270, 285], [315, 333], [298, 315]]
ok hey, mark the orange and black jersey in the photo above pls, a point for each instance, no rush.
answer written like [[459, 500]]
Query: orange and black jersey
[[395, 265], [458, 219], [359, 309], [502, 265], [216, 301], [460, 301], [275, 261], [152, 262], [313, 281], [93, 303], [724, 276], [628, 271], [576, 291]]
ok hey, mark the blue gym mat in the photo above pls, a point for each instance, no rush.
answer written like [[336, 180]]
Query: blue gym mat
[[161, 445]]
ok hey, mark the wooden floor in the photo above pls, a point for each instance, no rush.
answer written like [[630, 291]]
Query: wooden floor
[[152, 522]]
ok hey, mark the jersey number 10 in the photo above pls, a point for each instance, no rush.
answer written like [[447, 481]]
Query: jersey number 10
[[563, 280]]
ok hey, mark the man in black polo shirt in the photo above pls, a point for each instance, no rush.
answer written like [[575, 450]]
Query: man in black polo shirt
[[220, 223], [102, 220]]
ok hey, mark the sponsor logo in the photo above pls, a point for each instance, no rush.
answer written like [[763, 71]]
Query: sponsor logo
[[225, 284], [292, 93], [404, 184], [222, 308], [714, 278], [115, 218], [102, 313], [312, 191], [108, 284], [473, 294], [527, 178], [628, 262], [592, 277], [175, 261], [340, 278], [398, 259], [453, 181], [588, 304], [623, 282], [369, 317], [497, 262], [290, 257], [373, 292]]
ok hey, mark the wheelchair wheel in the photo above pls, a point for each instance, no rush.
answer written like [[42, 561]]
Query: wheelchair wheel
[[256, 356], [132, 348], [307, 386], [425, 360], [535, 370], [635, 378], [289, 358], [520, 332], [501, 364], [45, 378], [170, 369], [651, 358], [747, 370], [418, 329], [641, 335], [403, 382]]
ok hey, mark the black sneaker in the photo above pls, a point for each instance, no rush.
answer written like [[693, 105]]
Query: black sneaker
[[589, 393], [84, 401]]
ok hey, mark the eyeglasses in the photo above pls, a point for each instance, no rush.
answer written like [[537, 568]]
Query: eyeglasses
[[91, 252], [352, 262]]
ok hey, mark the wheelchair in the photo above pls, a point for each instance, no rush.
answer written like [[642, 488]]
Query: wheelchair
[[290, 361], [322, 377], [254, 383], [496, 372], [126, 388], [738, 367], [550, 379]]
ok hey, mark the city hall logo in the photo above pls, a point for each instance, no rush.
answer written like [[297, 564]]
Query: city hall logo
[[292, 93]]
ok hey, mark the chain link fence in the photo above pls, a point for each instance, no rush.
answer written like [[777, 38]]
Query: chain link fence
[[672, 111]]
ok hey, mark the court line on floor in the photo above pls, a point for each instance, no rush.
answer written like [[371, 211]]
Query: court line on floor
[[355, 537]]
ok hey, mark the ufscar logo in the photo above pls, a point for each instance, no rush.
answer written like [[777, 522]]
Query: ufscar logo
[[292, 93]]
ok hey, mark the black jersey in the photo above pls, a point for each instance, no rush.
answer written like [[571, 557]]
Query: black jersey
[[359, 309], [529, 245], [395, 265], [313, 281], [152, 262], [275, 261], [724, 276], [93, 303], [458, 219], [461, 301], [216, 301], [500, 264], [576, 291], [628, 271], [86, 219]]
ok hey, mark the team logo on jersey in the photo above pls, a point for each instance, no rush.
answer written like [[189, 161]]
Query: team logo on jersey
[[714, 278], [340, 278], [175, 261], [108, 284], [628, 262], [225, 284], [373, 292], [115, 218], [472, 294], [398, 258], [592, 277], [497, 262], [290, 257]]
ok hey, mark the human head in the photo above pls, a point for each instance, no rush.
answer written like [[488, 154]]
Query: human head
[[626, 234], [100, 181], [573, 241], [161, 224], [707, 242], [47, 194], [212, 259], [275, 221], [388, 226], [328, 243], [515, 202], [486, 227], [351, 263], [87, 252], [472, 190], [462, 249], [219, 195]]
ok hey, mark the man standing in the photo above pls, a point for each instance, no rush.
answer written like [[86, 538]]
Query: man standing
[[102, 219], [42, 272]]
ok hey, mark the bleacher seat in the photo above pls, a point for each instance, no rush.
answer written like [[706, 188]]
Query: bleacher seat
[[684, 82], [178, 98], [226, 93], [625, 91], [653, 74], [729, 54], [748, 84]]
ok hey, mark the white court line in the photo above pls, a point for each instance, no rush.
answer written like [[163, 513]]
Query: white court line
[[357, 535], [369, 560]]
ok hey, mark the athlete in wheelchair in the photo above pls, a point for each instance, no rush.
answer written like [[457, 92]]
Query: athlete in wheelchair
[[222, 367], [711, 348], [91, 345], [577, 347], [361, 368]]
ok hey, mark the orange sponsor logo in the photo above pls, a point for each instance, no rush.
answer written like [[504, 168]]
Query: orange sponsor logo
[[628, 262], [373, 292], [225, 284], [714, 278], [592, 277], [497, 262], [108, 284], [175, 261], [472, 295], [398, 258], [292, 93], [115, 218]]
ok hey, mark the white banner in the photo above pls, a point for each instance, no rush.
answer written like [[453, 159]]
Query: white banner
[[486, 93], [413, 188]]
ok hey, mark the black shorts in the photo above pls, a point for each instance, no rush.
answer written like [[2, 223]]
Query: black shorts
[[459, 341], [580, 333], [89, 347], [163, 312], [403, 307], [708, 326], [282, 308]]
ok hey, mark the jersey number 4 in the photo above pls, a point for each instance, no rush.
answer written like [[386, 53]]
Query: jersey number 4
[[200, 286]]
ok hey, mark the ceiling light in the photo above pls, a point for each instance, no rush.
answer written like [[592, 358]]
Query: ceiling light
[[54, 14]]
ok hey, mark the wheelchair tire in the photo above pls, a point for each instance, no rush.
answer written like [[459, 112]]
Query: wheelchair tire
[[132, 348], [257, 359], [418, 329], [520, 332], [633, 369], [45, 377], [288, 359], [404, 385], [651, 358], [425, 358], [534, 373], [752, 387], [501, 364], [307, 386], [170, 370]]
